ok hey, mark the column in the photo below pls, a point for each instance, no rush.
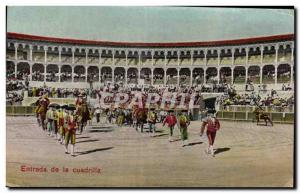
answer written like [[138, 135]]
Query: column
[[86, 56], [126, 56], [86, 73], [178, 58], [246, 74], [126, 75], [165, 55], [99, 73], [30, 55], [113, 75], [165, 76], [232, 56], [292, 56], [73, 51], [232, 75], [261, 54], [139, 73], [261, 74], [59, 54], [59, 73], [73, 72], [100, 53], [247, 56], [152, 76], [30, 71], [45, 49], [292, 72], [16, 68], [191, 76], [16, 51], [276, 54], [219, 52], [113, 55], [178, 78], [204, 74], [152, 57], [205, 57], [139, 53], [276, 66], [45, 72], [192, 54], [218, 75]]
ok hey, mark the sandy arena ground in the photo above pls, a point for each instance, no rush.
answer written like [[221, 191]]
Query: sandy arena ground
[[247, 155]]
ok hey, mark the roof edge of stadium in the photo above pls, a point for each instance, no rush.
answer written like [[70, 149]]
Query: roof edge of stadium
[[260, 39]]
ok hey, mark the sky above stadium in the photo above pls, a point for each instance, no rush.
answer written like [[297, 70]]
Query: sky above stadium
[[149, 24]]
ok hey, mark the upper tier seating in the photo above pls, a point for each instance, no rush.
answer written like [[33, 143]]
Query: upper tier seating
[[226, 61], [239, 60], [269, 58], [254, 59], [198, 61], [212, 61], [38, 57]]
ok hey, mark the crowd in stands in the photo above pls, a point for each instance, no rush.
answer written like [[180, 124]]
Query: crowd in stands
[[254, 98], [16, 89]]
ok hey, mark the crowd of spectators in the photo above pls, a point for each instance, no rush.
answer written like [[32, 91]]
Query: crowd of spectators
[[16, 89], [272, 99]]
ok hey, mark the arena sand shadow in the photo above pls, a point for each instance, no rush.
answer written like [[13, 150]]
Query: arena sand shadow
[[93, 151], [91, 140], [221, 150]]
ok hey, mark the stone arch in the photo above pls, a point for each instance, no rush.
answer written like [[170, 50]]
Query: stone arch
[[268, 74], [10, 69], [23, 70], [158, 76], [239, 75], [93, 74], [119, 74], [172, 76], [132, 76], [198, 76], [211, 75], [66, 73], [254, 74], [79, 73], [38, 71], [283, 73], [184, 76], [225, 75], [52, 73], [106, 74], [146, 75]]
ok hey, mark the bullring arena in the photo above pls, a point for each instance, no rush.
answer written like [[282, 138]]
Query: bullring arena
[[246, 154]]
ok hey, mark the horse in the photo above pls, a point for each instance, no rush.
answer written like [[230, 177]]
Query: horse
[[41, 111], [259, 114], [128, 117], [139, 117], [83, 116]]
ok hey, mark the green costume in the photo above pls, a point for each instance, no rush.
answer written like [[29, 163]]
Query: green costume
[[183, 125]]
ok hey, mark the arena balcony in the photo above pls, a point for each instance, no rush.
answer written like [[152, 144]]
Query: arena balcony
[[262, 60]]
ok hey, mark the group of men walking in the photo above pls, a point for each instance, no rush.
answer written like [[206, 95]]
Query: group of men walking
[[61, 122], [210, 123]]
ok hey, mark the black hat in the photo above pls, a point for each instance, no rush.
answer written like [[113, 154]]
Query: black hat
[[54, 105], [71, 108], [63, 106]]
